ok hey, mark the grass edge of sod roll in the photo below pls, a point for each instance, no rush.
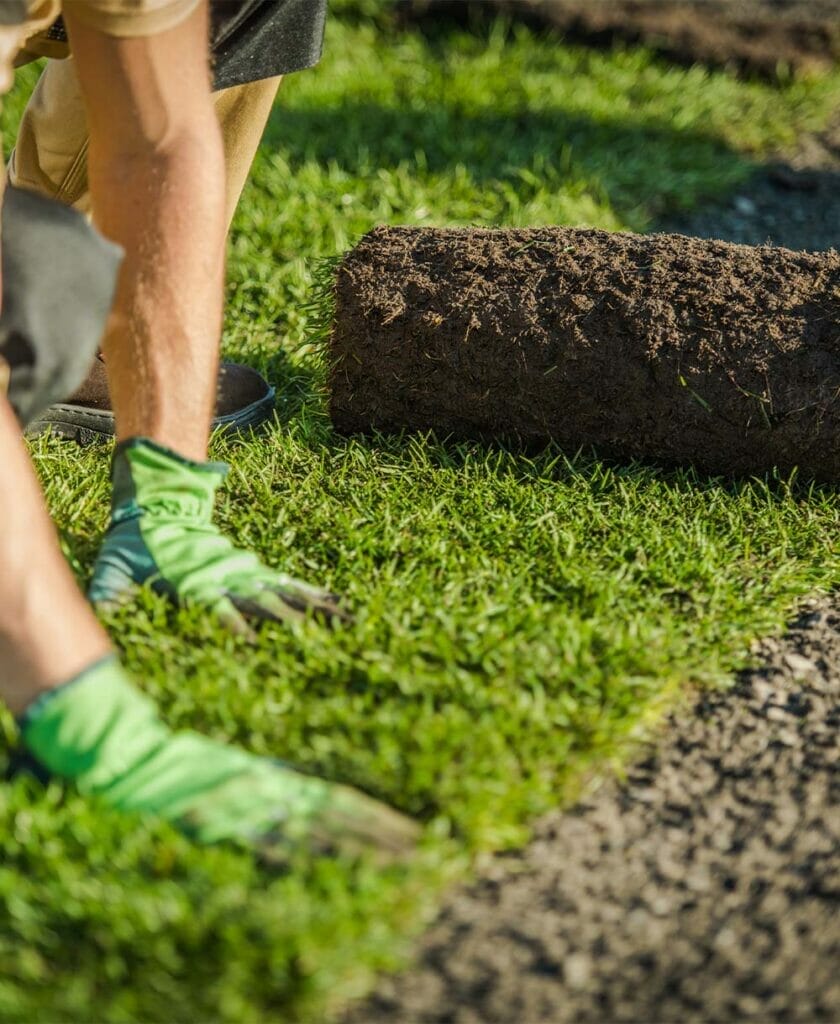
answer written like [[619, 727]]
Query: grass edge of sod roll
[[519, 617]]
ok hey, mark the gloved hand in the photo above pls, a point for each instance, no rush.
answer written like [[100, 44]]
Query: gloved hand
[[161, 533], [99, 732]]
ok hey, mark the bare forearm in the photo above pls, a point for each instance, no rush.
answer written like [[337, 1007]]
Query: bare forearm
[[47, 631]]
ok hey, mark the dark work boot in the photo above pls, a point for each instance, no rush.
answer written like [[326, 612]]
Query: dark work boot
[[244, 400]]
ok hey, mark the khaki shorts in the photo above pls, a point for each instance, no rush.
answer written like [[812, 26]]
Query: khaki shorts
[[115, 17], [30, 37]]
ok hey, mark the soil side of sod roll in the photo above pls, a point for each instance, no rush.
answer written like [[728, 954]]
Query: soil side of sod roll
[[662, 347]]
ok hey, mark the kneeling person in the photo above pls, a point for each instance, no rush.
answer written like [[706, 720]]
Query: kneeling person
[[156, 174]]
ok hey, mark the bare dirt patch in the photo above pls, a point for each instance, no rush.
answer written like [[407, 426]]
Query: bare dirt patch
[[767, 38]]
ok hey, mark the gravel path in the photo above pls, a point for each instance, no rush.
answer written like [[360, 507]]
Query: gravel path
[[706, 887]]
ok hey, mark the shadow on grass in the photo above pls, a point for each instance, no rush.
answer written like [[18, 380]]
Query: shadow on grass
[[641, 169], [539, 462]]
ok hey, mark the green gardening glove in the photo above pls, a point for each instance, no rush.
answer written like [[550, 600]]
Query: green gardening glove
[[162, 533], [100, 733]]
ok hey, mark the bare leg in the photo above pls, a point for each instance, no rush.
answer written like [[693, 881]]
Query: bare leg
[[156, 171], [48, 633]]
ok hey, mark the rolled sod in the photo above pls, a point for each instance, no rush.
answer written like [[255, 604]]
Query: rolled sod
[[726, 357]]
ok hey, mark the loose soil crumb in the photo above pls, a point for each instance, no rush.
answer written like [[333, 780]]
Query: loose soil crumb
[[768, 38], [703, 888]]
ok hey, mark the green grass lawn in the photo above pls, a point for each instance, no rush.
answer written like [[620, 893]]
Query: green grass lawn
[[520, 619]]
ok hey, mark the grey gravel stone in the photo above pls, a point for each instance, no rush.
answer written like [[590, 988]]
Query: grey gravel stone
[[745, 206]]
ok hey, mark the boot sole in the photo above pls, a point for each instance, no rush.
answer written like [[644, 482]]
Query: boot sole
[[96, 426]]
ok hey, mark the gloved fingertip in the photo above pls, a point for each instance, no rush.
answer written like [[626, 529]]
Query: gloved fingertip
[[268, 605], [327, 611], [233, 620]]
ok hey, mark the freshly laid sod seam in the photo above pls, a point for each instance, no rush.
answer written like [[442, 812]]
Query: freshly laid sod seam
[[519, 618], [702, 886]]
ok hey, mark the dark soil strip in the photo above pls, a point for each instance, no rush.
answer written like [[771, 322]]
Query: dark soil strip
[[665, 347], [767, 38], [705, 888]]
